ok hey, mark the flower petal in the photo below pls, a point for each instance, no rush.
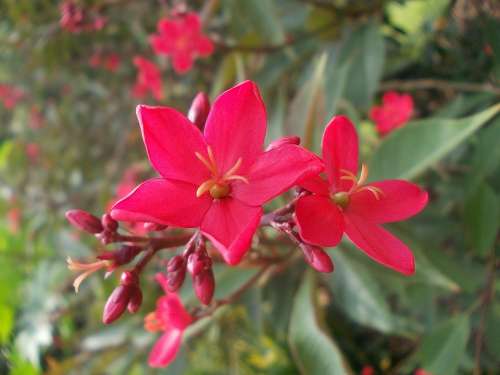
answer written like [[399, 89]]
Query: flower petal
[[276, 171], [171, 311], [171, 142], [340, 152], [163, 201], [182, 61], [166, 348], [320, 221], [204, 46], [379, 244], [315, 184], [399, 200], [230, 226], [236, 126]]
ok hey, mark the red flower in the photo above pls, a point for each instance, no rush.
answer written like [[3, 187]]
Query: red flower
[[170, 317], [394, 112], [181, 38], [218, 180], [347, 204], [110, 62], [148, 79], [10, 95]]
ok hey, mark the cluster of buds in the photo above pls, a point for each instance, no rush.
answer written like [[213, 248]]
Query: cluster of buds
[[198, 112], [127, 295], [104, 229], [198, 263], [76, 19]]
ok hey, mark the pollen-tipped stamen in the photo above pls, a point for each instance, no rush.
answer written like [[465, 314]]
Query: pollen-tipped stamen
[[89, 269], [204, 187]]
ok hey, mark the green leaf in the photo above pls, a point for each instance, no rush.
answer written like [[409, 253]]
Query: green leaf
[[442, 347], [313, 350], [481, 219], [6, 323], [410, 150], [411, 15]]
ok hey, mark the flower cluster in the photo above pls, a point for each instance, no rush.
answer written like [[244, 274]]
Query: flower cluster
[[148, 79], [395, 111], [10, 95], [76, 19], [214, 179], [108, 61]]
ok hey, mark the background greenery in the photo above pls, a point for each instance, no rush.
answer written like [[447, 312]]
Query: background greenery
[[311, 59]]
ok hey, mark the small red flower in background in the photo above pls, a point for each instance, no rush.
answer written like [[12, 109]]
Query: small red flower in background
[[367, 370], [395, 111], [172, 319], [111, 62], [32, 152], [148, 79], [421, 371], [76, 19], [36, 118], [181, 38], [219, 180], [347, 204], [10, 95], [14, 219]]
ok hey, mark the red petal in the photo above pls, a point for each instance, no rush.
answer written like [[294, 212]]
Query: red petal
[[182, 62], [320, 221], [166, 348], [171, 311], [163, 202], [171, 142], [274, 172], [205, 46], [315, 184], [380, 245], [160, 45], [230, 226], [399, 201], [340, 152], [236, 126]]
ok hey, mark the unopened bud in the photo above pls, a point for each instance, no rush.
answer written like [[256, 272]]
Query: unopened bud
[[84, 221], [135, 300], [106, 237], [176, 273], [204, 286], [109, 223], [121, 256], [129, 278], [287, 140], [317, 258], [117, 303], [153, 227], [198, 112]]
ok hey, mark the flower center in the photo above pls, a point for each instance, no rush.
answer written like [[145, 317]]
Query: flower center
[[218, 185], [342, 198], [152, 323]]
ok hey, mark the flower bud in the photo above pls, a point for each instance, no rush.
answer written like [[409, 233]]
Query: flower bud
[[121, 256], [287, 140], [106, 237], [153, 227], [84, 221], [135, 300], [204, 286], [117, 303], [317, 258], [176, 273], [129, 278], [198, 112], [109, 223]]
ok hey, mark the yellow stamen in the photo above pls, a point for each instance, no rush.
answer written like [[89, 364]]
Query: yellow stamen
[[207, 164], [204, 187], [237, 177], [234, 168], [89, 269], [363, 175]]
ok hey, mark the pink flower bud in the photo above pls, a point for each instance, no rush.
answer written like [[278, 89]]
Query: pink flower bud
[[204, 286], [109, 223], [135, 300], [317, 258], [129, 278], [84, 221], [198, 112], [153, 227], [288, 140], [106, 237], [176, 273], [117, 303]]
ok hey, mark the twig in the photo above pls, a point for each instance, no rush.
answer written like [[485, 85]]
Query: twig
[[439, 84]]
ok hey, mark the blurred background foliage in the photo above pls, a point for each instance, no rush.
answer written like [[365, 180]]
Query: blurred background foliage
[[70, 139]]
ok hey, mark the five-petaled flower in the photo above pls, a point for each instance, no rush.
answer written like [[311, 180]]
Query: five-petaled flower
[[394, 112], [170, 317], [344, 203], [148, 79], [219, 180], [181, 38]]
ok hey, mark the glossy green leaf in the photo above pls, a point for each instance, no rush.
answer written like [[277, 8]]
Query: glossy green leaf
[[481, 219], [313, 350], [410, 150], [6, 323]]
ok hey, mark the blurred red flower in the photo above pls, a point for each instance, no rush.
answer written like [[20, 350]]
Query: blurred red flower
[[395, 111], [181, 38], [172, 319], [110, 62], [218, 180], [344, 203], [10, 95], [75, 18], [148, 79]]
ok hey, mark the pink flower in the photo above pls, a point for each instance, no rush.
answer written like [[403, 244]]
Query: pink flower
[[170, 317], [33, 152], [181, 39], [75, 18], [367, 370], [112, 62], [219, 180], [14, 219], [148, 79], [394, 112], [347, 204], [10, 95]]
